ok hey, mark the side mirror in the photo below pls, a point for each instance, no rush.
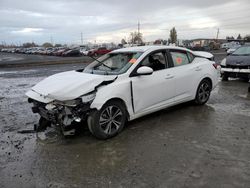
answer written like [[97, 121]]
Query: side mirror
[[145, 71]]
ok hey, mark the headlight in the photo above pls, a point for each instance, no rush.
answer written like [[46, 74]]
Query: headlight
[[223, 62], [70, 103], [88, 97]]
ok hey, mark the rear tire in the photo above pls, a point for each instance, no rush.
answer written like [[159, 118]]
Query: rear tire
[[203, 92], [109, 121]]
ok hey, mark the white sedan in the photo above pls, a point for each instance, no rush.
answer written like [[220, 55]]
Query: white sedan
[[123, 85]]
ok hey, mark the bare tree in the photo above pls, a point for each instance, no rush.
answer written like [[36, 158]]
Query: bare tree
[[123, 41], [239, 37], [47, 45], [29, 45], [136, 38]]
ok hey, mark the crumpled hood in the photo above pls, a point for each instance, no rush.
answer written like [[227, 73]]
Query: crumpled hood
[[69, 85], [238, 60]]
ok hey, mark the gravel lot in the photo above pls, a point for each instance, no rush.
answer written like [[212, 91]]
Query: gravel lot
[[183, 146]]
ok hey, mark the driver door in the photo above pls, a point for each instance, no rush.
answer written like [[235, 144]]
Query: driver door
[[156, 90]]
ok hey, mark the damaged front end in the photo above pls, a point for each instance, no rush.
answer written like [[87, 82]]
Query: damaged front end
[[65, 114]]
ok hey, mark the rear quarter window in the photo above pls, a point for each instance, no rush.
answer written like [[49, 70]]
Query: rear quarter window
[[190, 57]]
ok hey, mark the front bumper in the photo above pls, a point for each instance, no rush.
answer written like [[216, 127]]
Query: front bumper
[[236, 72], [62, 115]]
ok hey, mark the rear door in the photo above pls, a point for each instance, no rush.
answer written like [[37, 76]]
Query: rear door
[[186, 73]]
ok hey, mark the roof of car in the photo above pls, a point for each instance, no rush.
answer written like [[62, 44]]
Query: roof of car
[[146, 48]]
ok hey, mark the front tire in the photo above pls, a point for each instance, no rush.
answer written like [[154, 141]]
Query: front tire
[[109, 121], [43, 124], [224, 77], [203, 92]]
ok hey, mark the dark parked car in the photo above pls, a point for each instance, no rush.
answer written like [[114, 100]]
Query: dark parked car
[[72, 52], [237, 64], [60, 51]]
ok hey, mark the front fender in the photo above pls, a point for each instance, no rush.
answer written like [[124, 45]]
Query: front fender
[[120, 90]]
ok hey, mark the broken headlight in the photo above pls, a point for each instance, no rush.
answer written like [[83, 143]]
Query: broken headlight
[[70, 103], [88, 97]]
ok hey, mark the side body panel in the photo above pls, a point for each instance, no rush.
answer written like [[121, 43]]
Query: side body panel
[[153, 90], [120, 89]]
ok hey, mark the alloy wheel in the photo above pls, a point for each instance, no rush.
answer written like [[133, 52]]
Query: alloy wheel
[[110, 119], [204, 92]]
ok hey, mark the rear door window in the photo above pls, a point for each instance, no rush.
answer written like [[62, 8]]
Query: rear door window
[[179, 58]]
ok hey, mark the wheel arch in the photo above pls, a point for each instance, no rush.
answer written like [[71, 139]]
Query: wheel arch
[[209, 80], [118, 100], [199, 82]]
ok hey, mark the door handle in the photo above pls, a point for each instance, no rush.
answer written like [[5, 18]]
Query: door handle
[[198, 69], [169, 76]]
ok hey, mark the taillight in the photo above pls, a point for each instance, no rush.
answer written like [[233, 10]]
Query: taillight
[[215, 65]]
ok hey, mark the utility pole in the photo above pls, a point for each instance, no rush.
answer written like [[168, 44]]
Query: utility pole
[[81, 39], [51, 40], [139, 25], [218, 32]]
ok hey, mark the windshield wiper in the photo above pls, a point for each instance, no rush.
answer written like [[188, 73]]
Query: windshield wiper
[[101, 62]]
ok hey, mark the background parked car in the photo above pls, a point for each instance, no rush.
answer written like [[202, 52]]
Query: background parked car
[[72, 52], [231, 50], [60, 52], [98, 51], [237, 64], [233, 45], [84, 51]]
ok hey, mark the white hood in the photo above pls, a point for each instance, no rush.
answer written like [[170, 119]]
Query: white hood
[[66, 86]]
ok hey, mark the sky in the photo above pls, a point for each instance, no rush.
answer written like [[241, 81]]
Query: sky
[[100, 21]]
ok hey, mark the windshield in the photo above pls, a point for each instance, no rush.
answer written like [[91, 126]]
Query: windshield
[[113, 63], [242, 51]]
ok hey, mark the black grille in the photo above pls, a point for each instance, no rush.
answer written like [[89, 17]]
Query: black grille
[[238, 66]]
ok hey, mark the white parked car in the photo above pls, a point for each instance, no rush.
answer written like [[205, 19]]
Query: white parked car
[[84, 51], [123, 85], [232, 45], [230, 51]]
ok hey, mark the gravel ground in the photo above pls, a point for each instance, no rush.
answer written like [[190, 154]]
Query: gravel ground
[[183, 146]]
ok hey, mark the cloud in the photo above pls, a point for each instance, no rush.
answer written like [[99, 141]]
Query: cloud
[[203, 23], [111, 20], [28, 31]]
